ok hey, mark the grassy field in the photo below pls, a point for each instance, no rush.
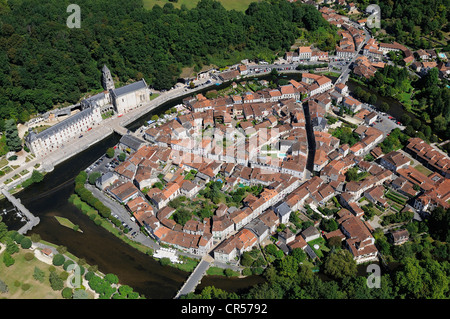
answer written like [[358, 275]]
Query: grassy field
[[21, 273], [238, 5]]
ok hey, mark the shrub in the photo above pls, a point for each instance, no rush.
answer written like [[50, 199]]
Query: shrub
[[26, 287], [67, 293], [29, 256], [164, 261], [64, 275]]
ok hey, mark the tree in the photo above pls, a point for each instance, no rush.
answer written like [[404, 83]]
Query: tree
[[298, 254], [405, 119], [111, 278], [335, 242], [13, 140], [384, 107], [58, 260], [329, 225], [25, 243], [287, 266], [55, 281], [122, 156], [37, 176], [439, 224], [8, 260], [38, 274], [110, 152], [422, 279], [93, 177], [340, 265]]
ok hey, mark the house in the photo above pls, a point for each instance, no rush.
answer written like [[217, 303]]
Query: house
[[189, 189], [234, 246], [304, 53], [222, 227], [123, 191], [352, 103], [283, 212], [130, 143], [359, 241], [310, 233], [371, 118], [394, 160], [399, 237], [259, 228], [376, 196], [286, 236], [105, 180]]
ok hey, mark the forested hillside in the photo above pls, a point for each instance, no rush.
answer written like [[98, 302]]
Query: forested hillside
[[416, 23], [44, 63]]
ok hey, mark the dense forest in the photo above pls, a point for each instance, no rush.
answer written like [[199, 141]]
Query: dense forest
[[43, 63], [416, 23], [419, 269]]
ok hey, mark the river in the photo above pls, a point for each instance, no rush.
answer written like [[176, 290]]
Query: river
[[396, 109]]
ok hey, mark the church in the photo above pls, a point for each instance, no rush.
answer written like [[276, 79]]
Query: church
[[128, 97]]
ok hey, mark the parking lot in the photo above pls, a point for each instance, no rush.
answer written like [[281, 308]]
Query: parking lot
[[104, 164], [385, 122]]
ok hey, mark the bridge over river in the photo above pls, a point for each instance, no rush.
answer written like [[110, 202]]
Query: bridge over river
[[196, 276], [32, 220]]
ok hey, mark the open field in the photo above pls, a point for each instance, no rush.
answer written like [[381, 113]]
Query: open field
[[21, 273], [238, 5]]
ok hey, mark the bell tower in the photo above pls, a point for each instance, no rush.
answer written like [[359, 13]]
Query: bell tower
[[107, 80]]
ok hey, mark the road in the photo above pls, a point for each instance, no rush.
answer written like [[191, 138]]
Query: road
[[345, 71]]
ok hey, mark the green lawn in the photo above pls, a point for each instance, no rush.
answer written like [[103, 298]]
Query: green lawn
[[21, 273], [321, 242], [238, 5]]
